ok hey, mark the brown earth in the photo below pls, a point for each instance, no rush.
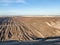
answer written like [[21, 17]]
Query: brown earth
[[28, 28]]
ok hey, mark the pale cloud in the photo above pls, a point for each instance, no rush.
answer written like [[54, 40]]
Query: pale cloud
[[7, 2], [12, 1]]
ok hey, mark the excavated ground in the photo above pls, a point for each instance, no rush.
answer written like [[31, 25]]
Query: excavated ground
[[28, 28]]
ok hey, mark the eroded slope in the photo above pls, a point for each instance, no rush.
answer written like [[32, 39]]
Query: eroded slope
[[24, 28]]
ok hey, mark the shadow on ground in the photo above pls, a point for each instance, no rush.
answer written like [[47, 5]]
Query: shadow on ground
[[38, 41]]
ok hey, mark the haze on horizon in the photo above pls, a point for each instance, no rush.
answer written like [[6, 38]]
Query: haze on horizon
[[29, 7]]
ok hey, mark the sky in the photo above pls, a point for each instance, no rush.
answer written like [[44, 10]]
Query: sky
[[29, 7]]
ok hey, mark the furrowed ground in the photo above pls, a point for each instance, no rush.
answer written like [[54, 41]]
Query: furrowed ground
[[28, 28]]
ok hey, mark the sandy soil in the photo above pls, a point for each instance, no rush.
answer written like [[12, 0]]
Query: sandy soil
[[28, 28]]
